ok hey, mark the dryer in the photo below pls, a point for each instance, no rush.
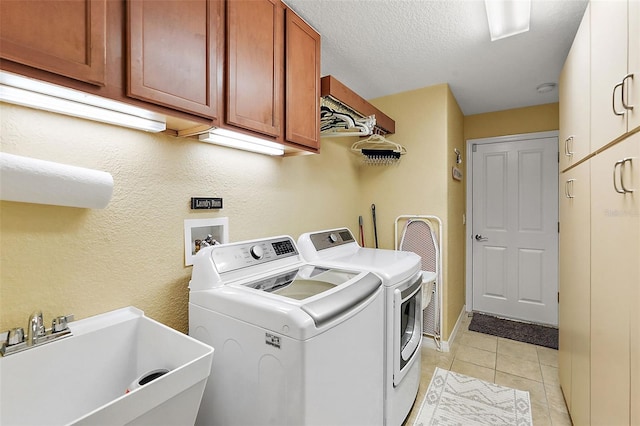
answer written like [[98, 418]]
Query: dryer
[[296, 343], [402, 281]]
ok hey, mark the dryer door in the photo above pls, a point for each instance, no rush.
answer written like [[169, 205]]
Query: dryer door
[[407, 327]]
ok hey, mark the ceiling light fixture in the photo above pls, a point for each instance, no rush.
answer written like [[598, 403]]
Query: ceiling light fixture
[[238, 140], [546, 87], [507, 17], [32, 93]]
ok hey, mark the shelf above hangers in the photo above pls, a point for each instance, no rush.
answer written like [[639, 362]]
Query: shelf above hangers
[[333, 89]]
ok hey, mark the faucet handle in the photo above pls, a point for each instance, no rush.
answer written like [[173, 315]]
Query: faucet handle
[[16, 335], [11, 340], [61, 323]]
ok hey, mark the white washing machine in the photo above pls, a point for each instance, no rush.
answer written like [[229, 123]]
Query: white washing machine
[[296, 344], [402, 280]]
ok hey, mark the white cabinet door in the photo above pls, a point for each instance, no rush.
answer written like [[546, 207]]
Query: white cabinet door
[[575, 291], [634, 63], [615, 254], [608, 68], [574, 99]]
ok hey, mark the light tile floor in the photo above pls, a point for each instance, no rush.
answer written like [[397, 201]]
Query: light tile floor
[[504, 362]]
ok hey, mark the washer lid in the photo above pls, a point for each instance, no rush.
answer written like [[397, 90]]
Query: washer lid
[[337, 248], [303, 282], [309, 283], [303, 300]]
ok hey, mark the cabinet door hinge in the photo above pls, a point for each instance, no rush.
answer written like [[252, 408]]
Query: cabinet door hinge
[[558, 227], [558, 297]]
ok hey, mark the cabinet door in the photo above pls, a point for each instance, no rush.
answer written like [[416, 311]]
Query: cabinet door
[[608, 68], [575, 288], [63, 37], [175, 52], [255, 65], [615, 250], [302, 76], [635, 348], [574, 99], [634, 64]]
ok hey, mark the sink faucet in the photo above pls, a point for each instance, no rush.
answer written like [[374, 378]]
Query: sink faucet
[[36, 328], [13, 341]]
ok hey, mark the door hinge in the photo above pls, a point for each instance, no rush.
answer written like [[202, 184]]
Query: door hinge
[[558, 227], [558, 297]]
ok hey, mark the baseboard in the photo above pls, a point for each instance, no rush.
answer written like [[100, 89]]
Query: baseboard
[[445, 345]]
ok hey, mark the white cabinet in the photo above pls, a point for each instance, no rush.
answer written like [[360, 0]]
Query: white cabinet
[[575, 291], [574, 99], [615, 71], [634, 63], [599, 309], [615, 253]]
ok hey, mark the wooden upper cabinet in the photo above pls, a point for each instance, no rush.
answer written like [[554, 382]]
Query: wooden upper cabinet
[[66, 37], [302, 77], [175, 53], [254, 78]]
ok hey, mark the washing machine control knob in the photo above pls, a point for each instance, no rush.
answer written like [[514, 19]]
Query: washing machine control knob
[[333, 237], [256, 252]]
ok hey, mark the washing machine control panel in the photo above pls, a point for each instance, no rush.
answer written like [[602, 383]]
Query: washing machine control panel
[[333, 238], [230, 257]]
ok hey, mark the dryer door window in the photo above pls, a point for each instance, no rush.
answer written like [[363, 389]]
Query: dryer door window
[[408, 327]]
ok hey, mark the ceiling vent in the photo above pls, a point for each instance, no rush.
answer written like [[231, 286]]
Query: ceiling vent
[[344, 113]]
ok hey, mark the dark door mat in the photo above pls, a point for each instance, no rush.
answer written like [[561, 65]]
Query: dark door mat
[[521, 331]]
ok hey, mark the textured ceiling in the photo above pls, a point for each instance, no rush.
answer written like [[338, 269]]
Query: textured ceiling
[[383, 47]]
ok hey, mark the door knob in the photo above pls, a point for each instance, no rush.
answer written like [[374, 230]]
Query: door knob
[[479, 237]]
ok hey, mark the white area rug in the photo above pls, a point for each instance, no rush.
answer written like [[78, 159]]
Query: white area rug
[[456, 399]]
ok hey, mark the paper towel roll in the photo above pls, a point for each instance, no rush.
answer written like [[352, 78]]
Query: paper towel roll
[[29, 180]]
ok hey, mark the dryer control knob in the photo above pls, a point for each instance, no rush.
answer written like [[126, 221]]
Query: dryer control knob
[[256, 252], [333, 237]]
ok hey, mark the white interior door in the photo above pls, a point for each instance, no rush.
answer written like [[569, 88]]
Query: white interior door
[[515, 229]]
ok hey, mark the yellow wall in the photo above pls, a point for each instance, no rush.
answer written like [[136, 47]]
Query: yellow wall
[[429, 124], [456, 205], [67, 260], [540, 118]]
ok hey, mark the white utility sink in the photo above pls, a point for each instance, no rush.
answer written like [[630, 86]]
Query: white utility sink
[[82, 379]]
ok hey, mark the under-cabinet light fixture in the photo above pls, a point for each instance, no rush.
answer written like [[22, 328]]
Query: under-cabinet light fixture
[[507, 17], [238, 140], [37, 94]]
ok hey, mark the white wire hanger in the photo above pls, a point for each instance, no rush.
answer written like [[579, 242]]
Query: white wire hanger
[[378, 150], [339, 120]]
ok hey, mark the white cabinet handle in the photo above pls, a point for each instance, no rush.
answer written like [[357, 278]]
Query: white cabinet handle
[[615, 184], [568, 149], [613, 99], [624, 165], [622, 189], [624, 91], [568, 188]]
